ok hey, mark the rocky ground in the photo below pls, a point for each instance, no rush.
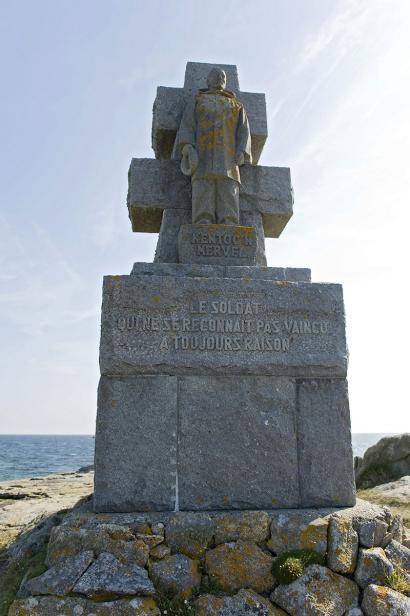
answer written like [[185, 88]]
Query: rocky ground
[[395, 495], [25, 502]]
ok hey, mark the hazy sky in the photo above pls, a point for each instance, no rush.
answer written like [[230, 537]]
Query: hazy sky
[[78, 80]]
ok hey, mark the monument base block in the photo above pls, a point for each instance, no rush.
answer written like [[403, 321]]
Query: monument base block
[[209, 443], [222, 388]]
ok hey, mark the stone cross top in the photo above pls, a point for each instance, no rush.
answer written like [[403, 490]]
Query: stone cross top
[[159, 195]]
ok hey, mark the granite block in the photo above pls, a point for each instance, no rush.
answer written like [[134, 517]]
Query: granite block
[[157, 185], [290, 274], [237, 444], [167, 245], [196, 74], [217, 244], [135, 444], [221, 326], [324, 444]]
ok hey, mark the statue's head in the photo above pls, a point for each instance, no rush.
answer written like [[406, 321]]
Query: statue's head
[[216, 79]]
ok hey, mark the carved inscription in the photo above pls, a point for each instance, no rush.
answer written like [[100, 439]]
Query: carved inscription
[[220, 243], [223, 326]]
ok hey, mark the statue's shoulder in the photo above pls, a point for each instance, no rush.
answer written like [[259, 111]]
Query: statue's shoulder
[[226, 93]]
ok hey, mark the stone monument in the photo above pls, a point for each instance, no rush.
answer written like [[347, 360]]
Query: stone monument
[[223, 381]]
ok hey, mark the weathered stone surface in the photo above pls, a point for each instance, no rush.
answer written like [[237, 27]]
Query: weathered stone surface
[[372, 533], [217, 245], [398, 554], [160, 551], [294, 530], [185, 270], [386, 461], [190, 533], [406, 537], [155, 186], [176, 575], [108, 578], [317, 592], [355, 611], [247, 525], [158, 529], [75, 606], [244, 603], [373, 567], [383, 601], [240, 565], [136, 444], [395, 530], [184, 315], [320, 439], [150, 540], [250, 430], [343, 545], [117, 540], [60, 579]]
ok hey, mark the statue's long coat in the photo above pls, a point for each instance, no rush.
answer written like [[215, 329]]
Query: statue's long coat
[[216, 124]]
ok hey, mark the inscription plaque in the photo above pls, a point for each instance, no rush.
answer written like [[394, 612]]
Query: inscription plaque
[[217, 244], [152, 324]]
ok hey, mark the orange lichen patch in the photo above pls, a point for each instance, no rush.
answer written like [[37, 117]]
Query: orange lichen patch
[[314, 534], [240, 565]]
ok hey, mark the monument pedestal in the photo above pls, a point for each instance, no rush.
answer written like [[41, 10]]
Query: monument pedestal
[[222, 388]]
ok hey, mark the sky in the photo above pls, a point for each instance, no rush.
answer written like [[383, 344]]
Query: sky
[[78, 80]]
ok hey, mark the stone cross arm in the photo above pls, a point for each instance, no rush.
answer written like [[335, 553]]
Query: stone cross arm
[[158, 185], [170, 102]]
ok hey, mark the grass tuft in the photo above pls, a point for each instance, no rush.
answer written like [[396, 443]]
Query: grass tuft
[[399, 581], [12, 574], [289, 566]]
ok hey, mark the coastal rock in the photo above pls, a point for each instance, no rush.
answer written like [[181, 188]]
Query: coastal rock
[[317, 592], [240, 565], [245, 603], [372, 532], [108, 578], [383, 601], [396, 530], [43, 498], [386, 461], [60, 579], [75, 606], [298, 530], [112, 538], [343, 545], [373, 567], [406, 537], [190, 533], [176, 575], [246, 525], [398, 554]]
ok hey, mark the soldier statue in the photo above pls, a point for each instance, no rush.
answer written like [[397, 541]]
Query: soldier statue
[[213, 141]]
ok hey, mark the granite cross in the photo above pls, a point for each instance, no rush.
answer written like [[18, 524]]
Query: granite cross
[[159, 195]]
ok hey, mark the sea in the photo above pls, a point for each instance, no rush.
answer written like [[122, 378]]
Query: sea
[[38, 455]]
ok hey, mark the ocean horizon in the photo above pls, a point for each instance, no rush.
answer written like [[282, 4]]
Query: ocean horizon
[[37, 455]]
